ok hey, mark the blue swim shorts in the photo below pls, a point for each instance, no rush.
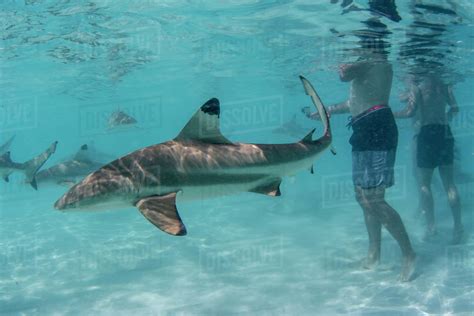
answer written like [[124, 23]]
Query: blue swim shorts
[[371, 169]]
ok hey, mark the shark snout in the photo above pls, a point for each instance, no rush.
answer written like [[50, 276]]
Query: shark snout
[[65, 202]]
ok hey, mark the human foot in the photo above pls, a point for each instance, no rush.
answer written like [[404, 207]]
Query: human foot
[[430, 233], [408, 268], [458, 235], [371, 261]]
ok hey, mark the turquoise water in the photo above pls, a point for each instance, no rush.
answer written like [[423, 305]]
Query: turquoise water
[[67, 65]]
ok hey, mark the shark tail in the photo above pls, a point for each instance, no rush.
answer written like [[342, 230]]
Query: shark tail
[[327, 135], [31, 167]]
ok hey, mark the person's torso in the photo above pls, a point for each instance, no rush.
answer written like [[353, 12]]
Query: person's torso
[[433, 105], [371, 88]]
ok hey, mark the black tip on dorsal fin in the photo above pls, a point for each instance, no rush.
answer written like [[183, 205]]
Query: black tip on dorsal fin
[[84, 147], [212, 107]]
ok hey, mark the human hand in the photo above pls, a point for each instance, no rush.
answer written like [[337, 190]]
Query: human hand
[[306, 111], [452, 112]]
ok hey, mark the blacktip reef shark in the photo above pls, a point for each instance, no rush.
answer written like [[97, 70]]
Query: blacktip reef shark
[[6, 147], [70, 171], [30, 168], [199, 163], [120, 118]]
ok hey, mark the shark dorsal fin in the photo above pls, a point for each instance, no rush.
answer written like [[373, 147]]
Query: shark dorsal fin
[[6, 146], [81, 154], [6, 157], [204, 126]]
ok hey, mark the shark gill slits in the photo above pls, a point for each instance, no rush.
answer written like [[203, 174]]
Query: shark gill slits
[[212, 107]]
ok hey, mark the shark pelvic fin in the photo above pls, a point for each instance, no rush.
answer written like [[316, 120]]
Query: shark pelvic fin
[[161, 211], [270, 189], [309, 137], [205, 125]]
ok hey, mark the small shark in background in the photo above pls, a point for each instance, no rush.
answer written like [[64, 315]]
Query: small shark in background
[[291, 128], [6, 147], [29, 168], [120, 118], [71, 170], [199, 163]]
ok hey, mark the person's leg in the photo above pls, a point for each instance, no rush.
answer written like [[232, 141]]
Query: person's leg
[[388, 217], [374, 230], [416, 175], [392, 221], [426, 175], [446, 174]]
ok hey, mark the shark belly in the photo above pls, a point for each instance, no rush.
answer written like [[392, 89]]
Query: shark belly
[[192, 193], [232, 181]]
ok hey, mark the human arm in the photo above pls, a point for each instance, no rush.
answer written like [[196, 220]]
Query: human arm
[[339, 108], [413, 99], [453, 105]]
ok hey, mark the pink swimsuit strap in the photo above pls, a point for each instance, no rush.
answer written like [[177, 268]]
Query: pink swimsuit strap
[[367, 112], [370, 110]]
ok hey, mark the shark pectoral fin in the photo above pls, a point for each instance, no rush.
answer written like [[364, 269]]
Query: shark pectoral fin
[[161, 211], [6, 178], [311, 169], [205, 125], [270, 189]]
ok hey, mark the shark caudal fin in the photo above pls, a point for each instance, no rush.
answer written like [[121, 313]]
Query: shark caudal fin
[[327, 135], [31, 167]]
